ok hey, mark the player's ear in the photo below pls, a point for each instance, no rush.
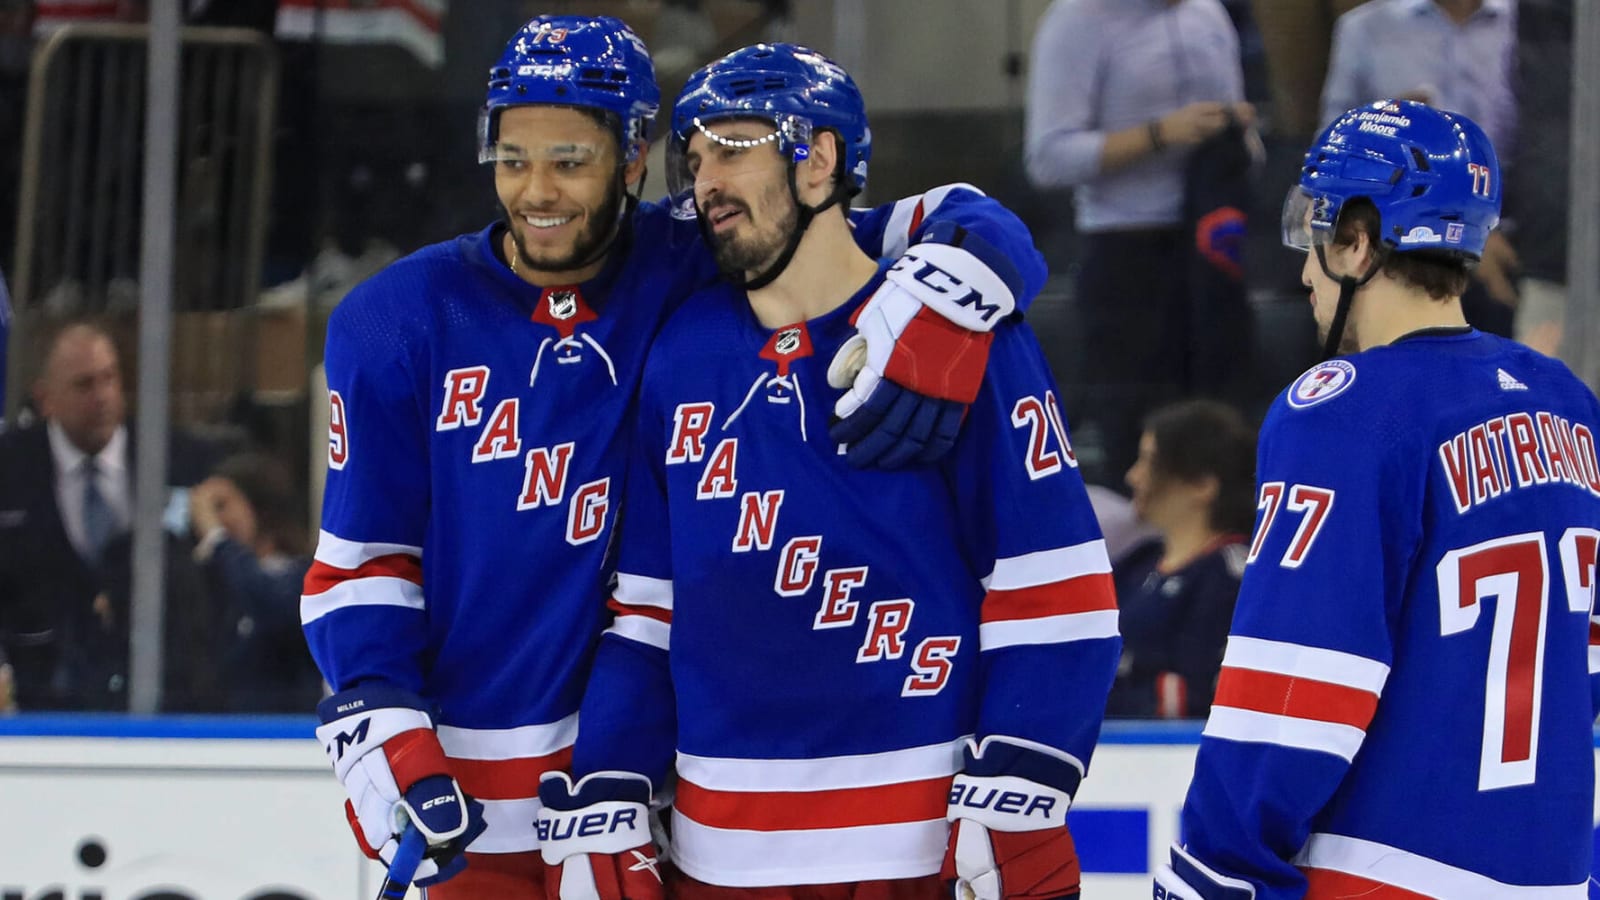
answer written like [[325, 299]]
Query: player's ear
[[633, 172], [816, 170]]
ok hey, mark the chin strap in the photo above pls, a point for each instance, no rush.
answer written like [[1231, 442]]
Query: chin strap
[[841, 193], [1348, 285]]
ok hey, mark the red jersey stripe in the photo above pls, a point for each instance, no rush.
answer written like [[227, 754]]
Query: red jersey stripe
[[1302, 698], [507, 779], [649, 612], [1086, 593], [1326, 884], [323, 577], [889, 804]]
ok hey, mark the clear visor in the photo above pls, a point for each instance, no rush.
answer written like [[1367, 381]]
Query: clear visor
[[732, 147], [1308, 219], [498, 151]]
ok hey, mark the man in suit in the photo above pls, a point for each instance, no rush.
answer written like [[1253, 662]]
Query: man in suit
[[66, 497]]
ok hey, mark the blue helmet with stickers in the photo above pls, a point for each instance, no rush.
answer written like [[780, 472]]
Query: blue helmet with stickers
[[799, 90], [591, 62], [1432, 176]]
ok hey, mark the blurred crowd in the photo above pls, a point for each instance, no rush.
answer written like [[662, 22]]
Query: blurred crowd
[[1166, 119]]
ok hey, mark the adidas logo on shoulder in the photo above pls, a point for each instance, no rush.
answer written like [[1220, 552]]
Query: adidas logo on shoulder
[[1509, 382]]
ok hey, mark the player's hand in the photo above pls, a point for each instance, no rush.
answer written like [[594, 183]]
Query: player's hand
[[920, 351], [1008, 814], [1497, 267], [383, 747], [595, 838]]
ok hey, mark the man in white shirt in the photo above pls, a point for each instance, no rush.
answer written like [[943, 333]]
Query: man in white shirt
[[65, 503]]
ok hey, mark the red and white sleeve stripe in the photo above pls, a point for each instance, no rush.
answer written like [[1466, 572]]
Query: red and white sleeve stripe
[[1275, 692], [644, 610], [907, 216], [350, 573], [1049, 597]]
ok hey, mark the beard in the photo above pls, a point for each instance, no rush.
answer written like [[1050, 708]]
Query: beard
[[758, 247], [588, 246]]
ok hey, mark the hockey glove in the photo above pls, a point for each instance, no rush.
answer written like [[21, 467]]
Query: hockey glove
[[1008, 814], [921, 347], [1186, 878], [381, 742], [595, 838]]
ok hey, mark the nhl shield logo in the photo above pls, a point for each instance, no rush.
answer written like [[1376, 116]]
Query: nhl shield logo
[[563, 305], [788, 341], [1322, 383]]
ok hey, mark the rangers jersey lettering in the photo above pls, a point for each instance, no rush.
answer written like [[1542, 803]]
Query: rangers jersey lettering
[[1414, 644], [478, 436], [815, 641]]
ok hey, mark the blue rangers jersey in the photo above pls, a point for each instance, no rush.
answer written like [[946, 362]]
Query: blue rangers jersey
[[816, 641], [1407, 695], [479, 430]]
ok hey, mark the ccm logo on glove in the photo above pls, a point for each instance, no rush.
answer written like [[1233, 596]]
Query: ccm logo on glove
[[976, 796], [943, 283], [587, 825], [344, 740]]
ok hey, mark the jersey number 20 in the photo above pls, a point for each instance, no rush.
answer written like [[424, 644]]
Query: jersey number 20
[[1514, 570]]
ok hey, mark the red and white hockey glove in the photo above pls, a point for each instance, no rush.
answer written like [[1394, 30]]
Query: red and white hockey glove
[[921, 348], [381, 742], [1008, 814], [595, 838]]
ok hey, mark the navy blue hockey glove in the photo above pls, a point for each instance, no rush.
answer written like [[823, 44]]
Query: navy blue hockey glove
[[381, 742], [920, 351], [1186, 878], [595, 838], [1008, 831]]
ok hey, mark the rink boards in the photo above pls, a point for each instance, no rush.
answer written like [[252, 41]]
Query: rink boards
[[246, 809]]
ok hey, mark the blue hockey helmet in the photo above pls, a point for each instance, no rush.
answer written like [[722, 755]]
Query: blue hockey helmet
[[799, 90], [1432, 175], [590, 62]]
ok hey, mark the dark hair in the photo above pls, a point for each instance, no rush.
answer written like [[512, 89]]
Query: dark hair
[[1199, 438], [1442, 276], [266, 484]]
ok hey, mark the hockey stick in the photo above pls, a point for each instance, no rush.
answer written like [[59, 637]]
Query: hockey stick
[[404, 866]]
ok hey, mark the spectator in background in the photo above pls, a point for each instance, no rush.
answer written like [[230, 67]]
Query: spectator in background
[[1450, 54], [66, 496], [1121, 93], [252, 549], [1194, 483]]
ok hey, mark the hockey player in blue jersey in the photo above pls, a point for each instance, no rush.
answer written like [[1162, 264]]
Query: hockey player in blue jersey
[[480, 397], [855, 706], [1407, 696]]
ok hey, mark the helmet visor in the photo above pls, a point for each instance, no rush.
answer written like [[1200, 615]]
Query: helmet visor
[[1308, 219], [731, 148]]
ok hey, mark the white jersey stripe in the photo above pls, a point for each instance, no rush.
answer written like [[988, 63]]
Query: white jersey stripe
[[1594, 660], [829, 773], [820, 856], [1229, 723], [1419, 874], [508, 743], [380, 590], [1084, 626], [1048, 566], [510, 826], [644, 630], [1300, 661], [638, 590], [335, 551]]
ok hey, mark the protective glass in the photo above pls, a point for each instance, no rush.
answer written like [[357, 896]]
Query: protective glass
[[726, 156], [566, 156], [1308, 219]]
